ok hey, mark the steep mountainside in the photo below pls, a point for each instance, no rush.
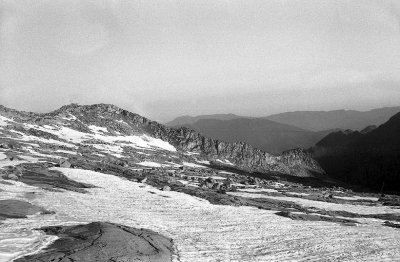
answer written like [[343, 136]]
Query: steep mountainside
[[121, 133], [341, 119], [188, 120], [267, 135], [366, 158]]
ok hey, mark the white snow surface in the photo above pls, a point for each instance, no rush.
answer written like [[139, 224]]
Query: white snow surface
[[225, 161], [201, 231], [149, 164], [192, 165], [259, 190], [2, 156], [4, 120], [359, 209], [98, 129], [69, 117], [227, 173], [203, 162], [358, 198], [74, 136]]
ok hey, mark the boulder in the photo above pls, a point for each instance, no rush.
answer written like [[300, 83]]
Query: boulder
[[209, 182], [216, 186], [12, 176], [391, 224], [166, 188], [65, 163]]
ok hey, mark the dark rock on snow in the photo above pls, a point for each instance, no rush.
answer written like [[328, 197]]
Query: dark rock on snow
[[103, 242], [12, 208]]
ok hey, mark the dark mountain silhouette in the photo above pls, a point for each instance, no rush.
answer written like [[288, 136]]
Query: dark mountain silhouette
[[341, 119], [261, 133], [280, 132], [371, 159], [188, 120]]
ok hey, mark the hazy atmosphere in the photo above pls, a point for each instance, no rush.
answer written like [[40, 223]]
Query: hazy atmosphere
[[163, 59]]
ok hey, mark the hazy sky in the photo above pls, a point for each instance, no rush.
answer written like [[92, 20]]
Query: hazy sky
[[165, 58]]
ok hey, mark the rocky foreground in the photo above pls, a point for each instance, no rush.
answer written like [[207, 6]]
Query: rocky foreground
[[103, 242]]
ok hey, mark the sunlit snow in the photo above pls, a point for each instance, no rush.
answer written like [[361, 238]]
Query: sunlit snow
[[192, 165], [149, 164], [74, 136], [203, 162], [225, 161], [98, 129], [202, 231], [4, 120]]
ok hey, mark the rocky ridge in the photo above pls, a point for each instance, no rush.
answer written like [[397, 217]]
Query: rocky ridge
[[123, 122]]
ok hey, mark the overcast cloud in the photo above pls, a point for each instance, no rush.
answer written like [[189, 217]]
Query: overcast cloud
[[164, 58]]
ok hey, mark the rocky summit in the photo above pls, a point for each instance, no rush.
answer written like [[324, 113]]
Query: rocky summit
[[99, 183]]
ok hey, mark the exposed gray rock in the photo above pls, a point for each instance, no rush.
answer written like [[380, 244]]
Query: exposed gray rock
[[391, 224], [316, 217], [13, 208], [38, 175], [65, 163], [216, 186], [166, 188], [103, 242], [12, 177]]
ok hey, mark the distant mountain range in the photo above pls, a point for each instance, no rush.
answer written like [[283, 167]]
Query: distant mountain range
[[189, 120], [370, 158], [310, 120], [261, 133], [280, 132], [342, 119]]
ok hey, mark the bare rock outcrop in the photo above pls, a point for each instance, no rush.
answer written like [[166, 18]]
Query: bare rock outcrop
[[103, 242]]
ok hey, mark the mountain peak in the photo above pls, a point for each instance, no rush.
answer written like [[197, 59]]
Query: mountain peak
[[94, 107]]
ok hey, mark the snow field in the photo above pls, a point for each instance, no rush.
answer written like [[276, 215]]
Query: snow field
[[206, 232]]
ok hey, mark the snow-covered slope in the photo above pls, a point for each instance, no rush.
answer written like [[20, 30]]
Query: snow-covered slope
[[202, 231]]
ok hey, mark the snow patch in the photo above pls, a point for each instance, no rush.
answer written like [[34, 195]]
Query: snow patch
[[4, 121], [67, 152], [2, 156], [225, 161], [98, 129], [149, 164], [203, 162], [227, 173], [192, 165], [374, 199]]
